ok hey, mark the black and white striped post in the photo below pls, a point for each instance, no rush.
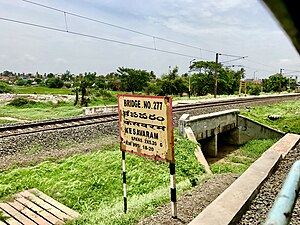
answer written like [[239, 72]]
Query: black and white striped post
[[173, 191], [124, 181]]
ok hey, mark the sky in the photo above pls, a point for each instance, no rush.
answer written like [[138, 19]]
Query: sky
[[152, 35]]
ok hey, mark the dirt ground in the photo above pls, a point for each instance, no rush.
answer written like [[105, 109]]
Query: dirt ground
[[192, 203]]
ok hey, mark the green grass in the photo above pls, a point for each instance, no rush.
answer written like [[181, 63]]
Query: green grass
[[2, 216], [3, 121], [239, 160], [48, 110], [40, 111], [289, 112], [92, 183], [41, 90]]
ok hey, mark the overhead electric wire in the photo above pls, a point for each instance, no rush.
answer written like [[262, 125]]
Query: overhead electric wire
[[240, 57], [123, 28], [96, 37], [116, 26], [255, 62]]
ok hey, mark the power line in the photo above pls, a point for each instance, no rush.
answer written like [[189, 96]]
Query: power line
[[239, 57], [66, 30], [65, 13], [96, 37], [116, 26]]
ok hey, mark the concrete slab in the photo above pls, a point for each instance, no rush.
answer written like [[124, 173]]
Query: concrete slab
[[284, 145], [198, 152], [228, 207]]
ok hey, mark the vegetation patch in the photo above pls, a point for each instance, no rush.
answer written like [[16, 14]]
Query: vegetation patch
[[5, 88], [41, 90], [22, 102], [289, 112], [32, 149], [239, 160], [3, 217], [3, 121], [92, 183], [24, 109]]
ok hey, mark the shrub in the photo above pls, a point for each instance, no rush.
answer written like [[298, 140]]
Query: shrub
[[5, 88], [103, 93], [253, 89], [20, 101]]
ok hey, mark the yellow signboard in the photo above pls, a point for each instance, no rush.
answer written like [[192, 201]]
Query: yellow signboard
[[145, 126]]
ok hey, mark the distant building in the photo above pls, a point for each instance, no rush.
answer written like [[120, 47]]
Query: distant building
[[259, 81], [297, 87]]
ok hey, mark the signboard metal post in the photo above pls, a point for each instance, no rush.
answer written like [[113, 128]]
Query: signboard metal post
[[124, 182], [173, 191]]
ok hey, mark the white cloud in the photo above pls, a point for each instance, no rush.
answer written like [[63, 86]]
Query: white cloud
[[231, 26]]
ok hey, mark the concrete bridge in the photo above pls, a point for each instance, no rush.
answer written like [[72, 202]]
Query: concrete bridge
[[227, 126]]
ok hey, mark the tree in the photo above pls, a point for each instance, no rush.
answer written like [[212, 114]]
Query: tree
[[38, 80], [67, 76], [253, 88], [7, 73], [203, 78], [20, 82], [82, 83], [50, 75], [133, 80], [172, 83], [100, 81], [54, 82], [276, 83], [113, 82]]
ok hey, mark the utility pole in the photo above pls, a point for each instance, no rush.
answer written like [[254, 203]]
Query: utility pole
[[216, 74], [280, 80], [281, 71], [190, 77]]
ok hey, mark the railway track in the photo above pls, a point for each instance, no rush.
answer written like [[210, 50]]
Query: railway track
[[56, 124], [47, 125]]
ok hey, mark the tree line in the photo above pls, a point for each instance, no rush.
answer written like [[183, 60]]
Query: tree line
[[198, 82]]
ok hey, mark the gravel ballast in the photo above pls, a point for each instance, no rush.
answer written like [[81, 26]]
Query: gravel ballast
[[263, 202]]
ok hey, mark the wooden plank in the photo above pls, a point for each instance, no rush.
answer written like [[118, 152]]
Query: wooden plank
[[10, 220], [40, 211], [27, 212], [55, 203], [17, 215], [2, 223], [56, 212]]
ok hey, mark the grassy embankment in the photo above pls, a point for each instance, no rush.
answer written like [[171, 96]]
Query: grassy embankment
[[92, 183], [49, 110], [41, 90], [288, 111]]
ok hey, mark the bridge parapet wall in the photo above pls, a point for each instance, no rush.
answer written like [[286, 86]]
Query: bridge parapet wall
[[248, 129], [99, 110], [208, 125], [233, 128]]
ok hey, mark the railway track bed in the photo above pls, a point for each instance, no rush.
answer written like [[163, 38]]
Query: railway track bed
[[15, 129]]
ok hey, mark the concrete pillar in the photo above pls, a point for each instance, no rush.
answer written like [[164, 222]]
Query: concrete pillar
[[182, 123], [210, 145]]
